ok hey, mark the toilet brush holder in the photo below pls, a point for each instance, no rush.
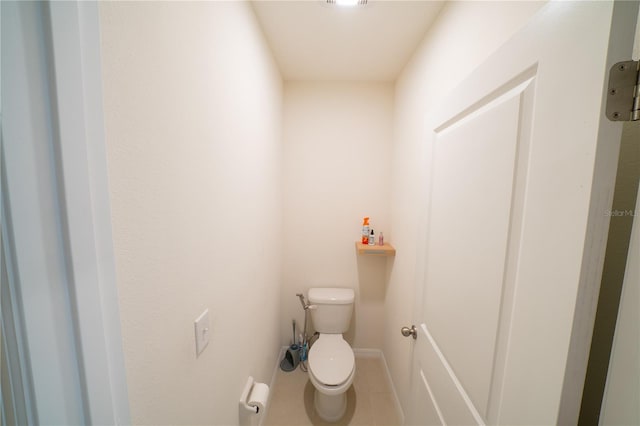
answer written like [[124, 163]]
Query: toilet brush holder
[[291, 358]]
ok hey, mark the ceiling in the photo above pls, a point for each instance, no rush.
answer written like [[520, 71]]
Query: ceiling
[[315, 41]]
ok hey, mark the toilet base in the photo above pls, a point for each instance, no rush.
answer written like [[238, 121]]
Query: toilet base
[[330, 408]]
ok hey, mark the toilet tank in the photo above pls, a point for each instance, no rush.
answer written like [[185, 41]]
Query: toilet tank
[[334, 306]]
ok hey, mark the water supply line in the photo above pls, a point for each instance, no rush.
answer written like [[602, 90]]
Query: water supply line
[[305, 340]]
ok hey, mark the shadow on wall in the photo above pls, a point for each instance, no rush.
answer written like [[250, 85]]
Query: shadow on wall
[[373, 277], [374, 274]]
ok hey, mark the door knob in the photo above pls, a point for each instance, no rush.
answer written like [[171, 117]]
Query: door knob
[[406, 332]]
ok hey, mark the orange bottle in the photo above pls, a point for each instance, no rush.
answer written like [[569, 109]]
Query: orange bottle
[[365, 231]]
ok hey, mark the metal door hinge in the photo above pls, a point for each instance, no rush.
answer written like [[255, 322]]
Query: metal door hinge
[[623, 96]]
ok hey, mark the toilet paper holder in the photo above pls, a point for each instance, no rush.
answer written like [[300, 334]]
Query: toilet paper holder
[[254, 396]]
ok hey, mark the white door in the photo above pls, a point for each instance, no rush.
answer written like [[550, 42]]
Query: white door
[[522, 167]]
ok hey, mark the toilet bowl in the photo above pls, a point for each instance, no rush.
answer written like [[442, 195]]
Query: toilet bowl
[[331, 371], [331, 362]]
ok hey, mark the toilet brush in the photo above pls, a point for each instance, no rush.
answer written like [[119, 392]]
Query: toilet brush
[[293, 341]]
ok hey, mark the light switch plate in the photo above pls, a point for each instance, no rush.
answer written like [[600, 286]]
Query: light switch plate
[[201, 326]]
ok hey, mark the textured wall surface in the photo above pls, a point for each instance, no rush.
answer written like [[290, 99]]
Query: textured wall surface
[[193, 104]]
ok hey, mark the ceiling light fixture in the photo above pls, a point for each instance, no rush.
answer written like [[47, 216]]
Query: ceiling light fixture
[[347, 3]]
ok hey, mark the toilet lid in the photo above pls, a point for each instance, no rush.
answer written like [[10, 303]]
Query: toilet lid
[[331, 359]]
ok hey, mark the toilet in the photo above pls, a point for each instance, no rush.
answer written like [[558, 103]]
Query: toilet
[[331, 363]]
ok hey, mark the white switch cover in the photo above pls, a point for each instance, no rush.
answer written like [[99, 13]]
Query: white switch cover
[[201, 326]]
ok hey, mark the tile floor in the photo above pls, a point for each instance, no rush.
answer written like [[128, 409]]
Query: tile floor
[[369, 399]]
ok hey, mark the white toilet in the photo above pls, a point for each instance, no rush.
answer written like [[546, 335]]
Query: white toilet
[[331, 362]]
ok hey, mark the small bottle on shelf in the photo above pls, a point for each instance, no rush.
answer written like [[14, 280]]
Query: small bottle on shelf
[[381, 239], [372, 239]]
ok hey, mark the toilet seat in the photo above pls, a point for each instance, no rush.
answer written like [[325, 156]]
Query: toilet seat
[[331, 360]]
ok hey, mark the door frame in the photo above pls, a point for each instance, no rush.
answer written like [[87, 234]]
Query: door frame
[[71, 34]]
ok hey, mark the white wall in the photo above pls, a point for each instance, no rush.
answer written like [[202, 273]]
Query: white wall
[[193, 104], [337, 145], [464, 35]]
